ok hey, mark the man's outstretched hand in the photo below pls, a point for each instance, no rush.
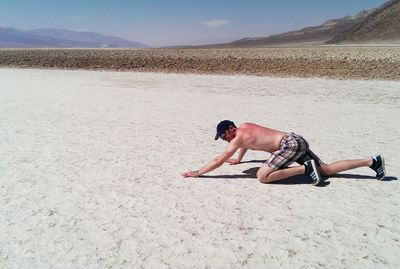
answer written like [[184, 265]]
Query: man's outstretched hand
[[233, 161], [190, 174]]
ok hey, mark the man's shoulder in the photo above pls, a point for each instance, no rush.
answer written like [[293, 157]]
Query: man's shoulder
[[245, 125], [242, 135]]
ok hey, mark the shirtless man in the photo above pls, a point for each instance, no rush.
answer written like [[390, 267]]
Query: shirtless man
[[285, 148]]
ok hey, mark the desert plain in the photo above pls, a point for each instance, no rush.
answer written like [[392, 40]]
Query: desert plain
[[91, 159], [337, 62]]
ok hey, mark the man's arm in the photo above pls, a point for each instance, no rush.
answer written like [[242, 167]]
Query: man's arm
[[242, 152], [215, 163]]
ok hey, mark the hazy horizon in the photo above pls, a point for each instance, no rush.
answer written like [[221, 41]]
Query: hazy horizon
[[177, 22]]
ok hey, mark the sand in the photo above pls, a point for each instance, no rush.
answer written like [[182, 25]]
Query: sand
[[338, 62], [90, 172]]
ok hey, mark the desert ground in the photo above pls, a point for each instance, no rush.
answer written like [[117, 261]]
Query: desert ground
[[91, 160], [337, 62]]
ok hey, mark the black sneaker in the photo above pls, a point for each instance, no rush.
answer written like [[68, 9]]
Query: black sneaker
[[378, 165], [312, 171]]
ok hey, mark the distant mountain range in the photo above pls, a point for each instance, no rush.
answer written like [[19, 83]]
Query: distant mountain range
[[383, 24], [321, 33], [376, 25], [61, 38]]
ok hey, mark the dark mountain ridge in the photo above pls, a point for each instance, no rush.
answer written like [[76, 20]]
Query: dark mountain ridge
[[320, 33], [383, 24]]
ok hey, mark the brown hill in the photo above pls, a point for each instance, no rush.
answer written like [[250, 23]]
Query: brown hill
[[383, 24], [321, 33]]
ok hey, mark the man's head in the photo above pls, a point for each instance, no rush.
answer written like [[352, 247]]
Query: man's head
[[225, 130]]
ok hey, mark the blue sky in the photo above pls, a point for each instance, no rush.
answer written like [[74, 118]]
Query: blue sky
[[177, 22]]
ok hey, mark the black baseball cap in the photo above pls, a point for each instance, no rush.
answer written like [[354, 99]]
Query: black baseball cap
[[222, 127]]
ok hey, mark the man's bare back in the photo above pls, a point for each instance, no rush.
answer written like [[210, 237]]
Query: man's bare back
[[256, 137]]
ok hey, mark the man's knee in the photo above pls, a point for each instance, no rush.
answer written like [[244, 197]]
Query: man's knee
[[263, 173], [260, 177]]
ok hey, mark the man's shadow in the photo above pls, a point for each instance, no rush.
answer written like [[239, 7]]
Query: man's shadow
[[294, 180], [298, 179], [357, 176]]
